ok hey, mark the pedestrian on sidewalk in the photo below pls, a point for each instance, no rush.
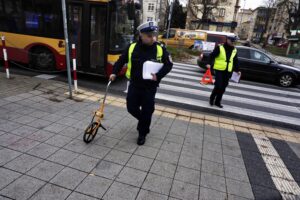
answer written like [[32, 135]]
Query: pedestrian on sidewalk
[[224, 61], [141, 92]]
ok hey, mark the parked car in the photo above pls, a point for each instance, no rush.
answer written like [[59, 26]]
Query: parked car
[[257, 65]]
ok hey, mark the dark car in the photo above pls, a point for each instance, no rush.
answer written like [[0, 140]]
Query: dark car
[[257, 65]]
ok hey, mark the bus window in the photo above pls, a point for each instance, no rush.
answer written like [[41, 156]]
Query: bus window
[[43, 18], [121, 34], [13, 19]]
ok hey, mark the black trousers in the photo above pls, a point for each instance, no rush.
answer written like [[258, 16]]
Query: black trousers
[[140, 104], [221, 82]]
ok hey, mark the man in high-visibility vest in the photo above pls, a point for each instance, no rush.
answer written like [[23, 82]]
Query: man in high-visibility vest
[[224, 60], [141, 92]]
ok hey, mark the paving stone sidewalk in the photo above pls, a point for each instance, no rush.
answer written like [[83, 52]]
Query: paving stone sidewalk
[[187, 155]]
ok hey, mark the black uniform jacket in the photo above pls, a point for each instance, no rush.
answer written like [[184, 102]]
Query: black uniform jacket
[[141, 54]]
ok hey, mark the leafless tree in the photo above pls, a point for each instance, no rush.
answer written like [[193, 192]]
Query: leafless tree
[[292, 22], [205, 7], [270, 11]]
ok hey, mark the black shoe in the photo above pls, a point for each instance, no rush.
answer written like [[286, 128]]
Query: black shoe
[[211, 102], [219, 105], [141, 140]]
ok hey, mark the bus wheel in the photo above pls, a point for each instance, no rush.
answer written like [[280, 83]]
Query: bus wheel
[[42, 59]]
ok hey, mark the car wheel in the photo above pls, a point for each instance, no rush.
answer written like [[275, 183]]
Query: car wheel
[[286, 80]]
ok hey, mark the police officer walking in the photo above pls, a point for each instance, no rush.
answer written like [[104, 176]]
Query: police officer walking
[[141, 92], [224, 60]]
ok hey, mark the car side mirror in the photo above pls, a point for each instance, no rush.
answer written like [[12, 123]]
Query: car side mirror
[[271, 62]]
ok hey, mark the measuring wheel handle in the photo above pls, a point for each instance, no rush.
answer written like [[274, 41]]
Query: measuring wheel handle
[[90, 132]]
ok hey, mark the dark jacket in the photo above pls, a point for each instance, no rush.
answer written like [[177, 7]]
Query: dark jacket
[[141, 54], [228, 50]]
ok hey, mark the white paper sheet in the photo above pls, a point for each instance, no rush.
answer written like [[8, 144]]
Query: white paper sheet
[[235, 77], [149, 68]]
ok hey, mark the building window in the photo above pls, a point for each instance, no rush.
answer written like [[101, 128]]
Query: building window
[[149, 19], [205, 26], [151, 7], [220, 28], [222, 12]]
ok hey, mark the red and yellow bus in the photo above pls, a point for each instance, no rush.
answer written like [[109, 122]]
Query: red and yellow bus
[[100, 29]]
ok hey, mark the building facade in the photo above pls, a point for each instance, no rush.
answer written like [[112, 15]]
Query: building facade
[[222, 18], [155, 10]]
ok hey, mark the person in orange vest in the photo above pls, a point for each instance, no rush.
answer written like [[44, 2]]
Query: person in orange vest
[[141, 92], [224, 60]]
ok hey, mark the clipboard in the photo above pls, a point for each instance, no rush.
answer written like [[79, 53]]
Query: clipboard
[[235, 77], [150, 67]]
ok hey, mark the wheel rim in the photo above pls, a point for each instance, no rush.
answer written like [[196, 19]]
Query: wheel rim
[[286, 80], [44, 60]]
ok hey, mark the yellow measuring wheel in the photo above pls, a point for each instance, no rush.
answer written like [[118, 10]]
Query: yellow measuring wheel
[[92, 129]]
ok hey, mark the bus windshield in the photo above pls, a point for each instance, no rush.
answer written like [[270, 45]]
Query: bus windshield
[[121, 33]]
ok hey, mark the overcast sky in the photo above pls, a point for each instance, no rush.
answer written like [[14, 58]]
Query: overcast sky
[[249, 3]]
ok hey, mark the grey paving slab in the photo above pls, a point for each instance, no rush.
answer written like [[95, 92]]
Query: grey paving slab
[[94, 186], [171, 146], [24, 145], [7, 176], [7, 155], [24, 131], [23, 163], [84, 163], [72, 132], [212, 139], [75, 145], [67, 121], [43, 150], [232, 151], [158, 184], [45, 170], [234, 161], [213, 182], [239, 188], [59, 140], [139, 162], [106, 141], [175, 138], [183, 190], [96, 151], [120, 191], [212, 156], [63, 157], [230, 142], [153, 142], [212, 167], [38, 114], [163, 169], [132, 176], [207, 194], [212, 147], [8, 138], [168, 156], [125, 146], [148, 195], [55, 127], [107, 169], [236, 173], [24, 119], [118, 157], [22, 188], [68, 178], [41, 135], [78, 196], [146, 151], [192, 150], [40, 123], [51, 192], [190, 162], [187, 175]]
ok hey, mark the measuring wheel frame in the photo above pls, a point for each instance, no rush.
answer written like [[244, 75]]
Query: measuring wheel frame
[[92, 129]]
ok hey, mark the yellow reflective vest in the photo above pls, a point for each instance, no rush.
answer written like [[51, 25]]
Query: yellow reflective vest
[[159, 55], [221, 62]]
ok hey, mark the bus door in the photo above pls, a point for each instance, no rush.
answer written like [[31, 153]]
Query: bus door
[[87, 29]]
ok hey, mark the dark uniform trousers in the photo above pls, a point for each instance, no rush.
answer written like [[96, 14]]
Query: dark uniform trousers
[[140, 104], [221, 82]]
